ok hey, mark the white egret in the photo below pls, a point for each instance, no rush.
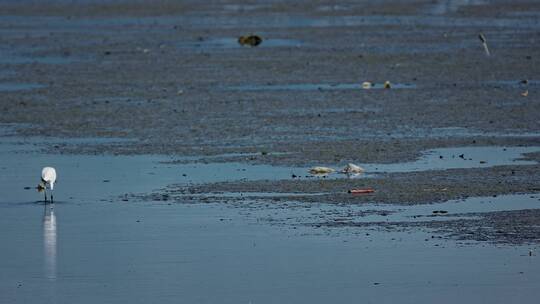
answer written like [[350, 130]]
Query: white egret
[[48, 178]]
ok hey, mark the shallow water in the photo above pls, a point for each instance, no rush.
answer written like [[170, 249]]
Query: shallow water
[[254, 22], [460, 158], [140, 253], [317, 86], [231, 43], [443, 7], [463, 132], [85, 250], [515, 83], [91, 177], [297, 213]]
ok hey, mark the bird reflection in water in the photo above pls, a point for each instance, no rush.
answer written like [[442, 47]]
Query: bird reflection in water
[[49, 241]]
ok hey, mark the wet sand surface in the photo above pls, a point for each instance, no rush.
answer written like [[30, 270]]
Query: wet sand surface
[[184, 157]]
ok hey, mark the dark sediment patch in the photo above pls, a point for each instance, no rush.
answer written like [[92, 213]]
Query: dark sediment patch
[[504, 227], [394, 188]]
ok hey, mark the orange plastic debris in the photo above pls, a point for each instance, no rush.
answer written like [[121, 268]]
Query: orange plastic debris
[[361, 191]]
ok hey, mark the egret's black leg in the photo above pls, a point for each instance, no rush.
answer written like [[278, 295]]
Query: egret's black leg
[[45, 192], [52, 200]]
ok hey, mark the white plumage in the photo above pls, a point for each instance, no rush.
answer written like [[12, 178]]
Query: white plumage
[[48, 176]]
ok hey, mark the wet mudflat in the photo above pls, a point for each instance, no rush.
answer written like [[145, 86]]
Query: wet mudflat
[[183, 156]]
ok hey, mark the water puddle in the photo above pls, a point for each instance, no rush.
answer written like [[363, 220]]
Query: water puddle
[[413, 21], [465, 132], [514, 83], [459, 158], [244, 7], [443, 7], [358, 86], [232, 43], [295, 213], [333, 8], [454, 209], [317, 111], [316, 87], [409, 132], [14, 87], [253, 22]]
